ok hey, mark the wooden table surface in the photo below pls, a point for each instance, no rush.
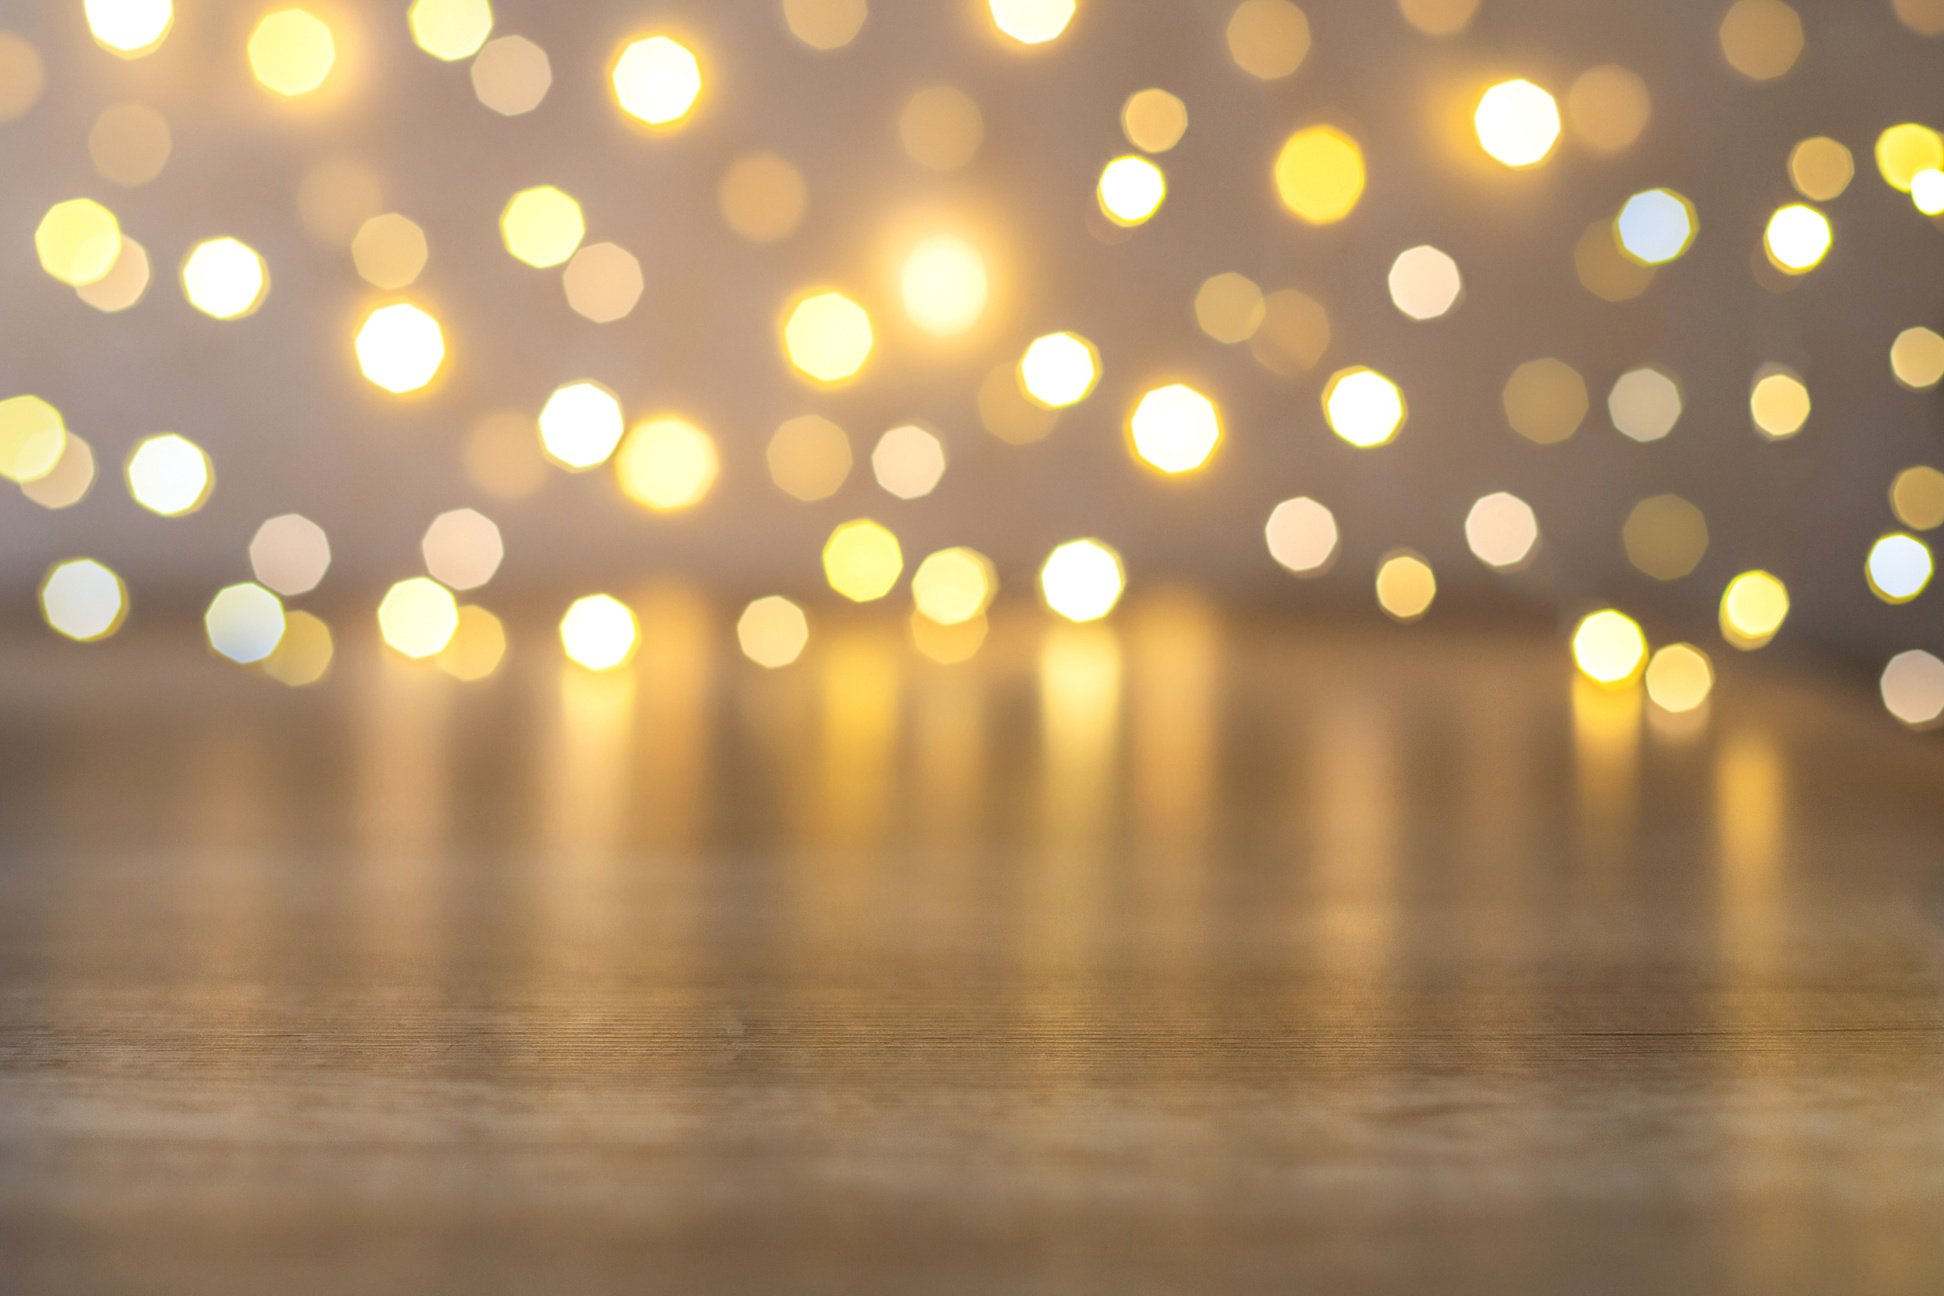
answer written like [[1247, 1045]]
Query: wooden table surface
[[1186, 954]]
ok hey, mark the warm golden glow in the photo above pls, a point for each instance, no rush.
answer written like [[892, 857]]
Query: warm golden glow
[[224, 278], [1753, 608], [1031, 22], [1820, 168], [1606, 271], [1917, 358], [1907, 150], [1424, 282], [1229, 308], [1917, 497], [762, 197], [70, 480], [462, 549], [1761, 39], [1268, 39], [1656, 226], [1502, 531], [1153, 120], [954, 585], [78, 241], [580, 425], [33, 438], [947, 645], [1319, 174], [83, 600], [1797, 238], [1545, 400], [336, 196], [909, 461], [1679, 678], [941, 128], [22, 78], [418, 617], [542, 226], [1363, 406], [825, 24], [1294, 334], [303, 655], [1438, 17], [290, 554], [603, 282], [1899, 567], [1082, 580], [245, 623], [1131, 189], [1406, 585], [657, 80], [667, 463], [827, 336], [862, 560], [1779, 404], [512, 75], [389, 251], [1645, 403], [1302, 536], [1174, 428], [809, 457], [130, 28], [169, 475], [477, 648], [1609, 648], [1059, 369], [944, 285], [450, 29], [1665, 537], [599, 632], [400, 348], [1517, 123], [772, 632], [125, 284], [1913, 688], [1608, 107], [130, 144], [292, 51]]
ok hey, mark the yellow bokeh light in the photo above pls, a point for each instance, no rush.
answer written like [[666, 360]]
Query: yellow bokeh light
[[1656, 226], [1761, 39], [1778, 404], [129, 144], [944, 285], [83, 599], [1229, 308], [1753, 608], [1031, 22], [462, 549], [1927, 192], [1665, 537], [827, 336], [130, 28], [542, 226], [290, 554], [1604, 269], [809, 457], [169, 475], [389, 251], [1907, 150], [947, 645], [657, 80], [599, 632], [1609, 648], [1363, 406], [477, 648], [825, 24], [1899, 567], [1131, 189], [1917, 497], [22, 78], [1917, 358], [954, 585], [772, 632], [1424, 282], [1294, 334], [1438, 17], [1302, 536], [69, 482], [1059, 369], [224, 278], [1820, 168], [1006, 411], [292, 51], [1925, 17], [1406, 585], [124, 285], [303, 655], [862, 560], [580, 425], [603, 283], [512, 76], [450, 30], [1502, 531], [1679, 678], [418, 617], [1545, 400], [1608, 107], [1797, 238], [1082, 580], [667, 463], [78, 241], [1268, 39], [502, 455], [245, 623], [941, 128], [1154, 120], [400, 348], [1913, 688], [762, 197], [1645, 403], [33, 437], [909, 461], [1319, 174], [1517, 123], [1173, 428]]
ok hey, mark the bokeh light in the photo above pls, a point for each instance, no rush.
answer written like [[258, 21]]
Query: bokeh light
[[1031, 22], [400, 348], [1006, 411], [224, 278], [1609, 648], [1229, 307], [827, 336], [667, 463], [1302, 536], [580, 425], [954, 585], [1153, 120], [33, 437], [1604, 268], [772, 632], [130, 28], [941, 128], [944, 285], [303, 655], [1778, 403], [762, 197], [1917, 497], [69, 481], [1268, 39], [1917, 358], [1517, 123], [1925, 17], [1927, 192], [334, 197], [542, 226], [1059, 369], [22, 78], [1898, 568], [1363, 406], [1761, 39], [1294, 334], [1082, 580], [1679, 678], [909, 461], [1656, 226], [1645, 403], [657, 80], [292, 51], [77, 241], [1797, 238], [1912, 687], [418, 617], [1753, 608], [83, 600], [1905, 151], [462, 549], [599, 632], [1131, 189], [244, 622], [1174, 428], [862, 560], [450, 30], [1821, 168], [1608, 107], [477, 648], [1319, 174], [825, 24], [389, 250], [169, 475], [603, 282], [512, 76], [125, 284], [1665, 537], [808, 457], [1424, 282], [1502, 531], [290, 554], [1545, 400], [1406, 585], [1438, 17], [129, 144], [947, 645]]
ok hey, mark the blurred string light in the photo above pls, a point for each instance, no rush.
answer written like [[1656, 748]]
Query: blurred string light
[[542, 226], [656, 80], [129, 144], [1608, 107], [1761, 39], [1821, 168], [909, 461], [1008, 413], [1031, 22], [954, 585], [450, 30], [1302, 536], [400, 348], [941, 128], [947, 645], [1917, 358], [125, 284], [772, 631], [1778, 403], [1517, 123], [666, 464], [1899, 567], [418, 617], [68, 483], [1679, 678], [1059, 369], [1656, 226], [1131, 189], [290, 554], [1438, 17], [1797, 238], [944, 285], [599, 632], [244, 622], [477, 648], [825, 24], [1294, 333], [1082, 580], [1424, 282], [1405, 585], [603, 283], [580, 425], [462, 549], [224, 278], [169, 475], [22, 78], [1925, 17], [303, 654], [1609, 648], [1927, 192], [1363, 406], [1174, 428], [130, 28], [1645, 403], [1905, 151], [1917, 497], [808, 457], [1665, 537], [1912, 686], [1229, 307], [33, 438], [1154, 120], [292, 51], [1268, 39], [1502, 531], [762, 197], [1319, 174], [1545, 400], [1753, 608], [827, 336], [862, 560], [83, 600], [511, 76], [78, 241], [389, 251]]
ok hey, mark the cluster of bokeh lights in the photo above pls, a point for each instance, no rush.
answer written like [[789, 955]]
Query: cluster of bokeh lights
[[667, 461]]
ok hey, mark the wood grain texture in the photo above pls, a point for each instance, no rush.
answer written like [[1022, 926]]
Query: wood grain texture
[[1186, 955]]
